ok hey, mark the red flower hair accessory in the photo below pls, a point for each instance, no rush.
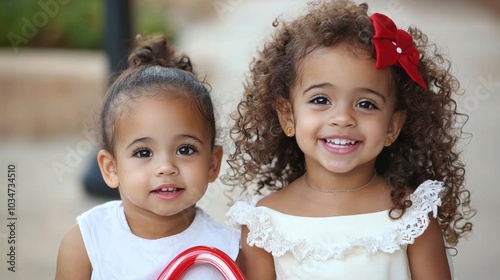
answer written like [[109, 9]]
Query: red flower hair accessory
[[395, 47]]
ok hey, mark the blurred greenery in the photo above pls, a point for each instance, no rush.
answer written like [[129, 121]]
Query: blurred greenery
[[71, 23]]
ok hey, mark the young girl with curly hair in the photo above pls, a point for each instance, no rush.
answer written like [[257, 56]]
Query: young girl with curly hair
[[349, 127], [159, 149]]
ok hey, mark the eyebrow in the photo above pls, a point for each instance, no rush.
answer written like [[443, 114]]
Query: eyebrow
[[373, 91], [146, 139], [322, 85], [191, 137], [141, 139]]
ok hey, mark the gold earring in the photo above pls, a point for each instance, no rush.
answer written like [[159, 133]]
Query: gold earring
[[289, 132], [388, 141]]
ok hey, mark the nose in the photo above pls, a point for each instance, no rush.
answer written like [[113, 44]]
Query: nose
[[166, 167], [342, 115]]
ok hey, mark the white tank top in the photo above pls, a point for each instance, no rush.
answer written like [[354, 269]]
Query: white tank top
[[116, 253]]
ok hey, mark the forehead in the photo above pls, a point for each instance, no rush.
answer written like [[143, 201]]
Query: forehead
[[162, 116], [342, 66]]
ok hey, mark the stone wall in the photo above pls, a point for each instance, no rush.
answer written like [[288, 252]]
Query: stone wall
[[50, 93]]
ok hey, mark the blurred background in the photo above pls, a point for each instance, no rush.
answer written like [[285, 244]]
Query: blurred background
[[58, 56]]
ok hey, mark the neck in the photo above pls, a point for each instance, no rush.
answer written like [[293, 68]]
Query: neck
[[339, 182], [148, 225]]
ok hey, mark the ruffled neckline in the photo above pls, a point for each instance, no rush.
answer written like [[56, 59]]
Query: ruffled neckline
[[403, 231]]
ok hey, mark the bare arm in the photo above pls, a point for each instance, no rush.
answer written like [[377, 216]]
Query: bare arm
[[255, 263], [72, 261], [427, 256]]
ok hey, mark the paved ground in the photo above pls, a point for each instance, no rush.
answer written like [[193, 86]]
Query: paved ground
[[49, 192]]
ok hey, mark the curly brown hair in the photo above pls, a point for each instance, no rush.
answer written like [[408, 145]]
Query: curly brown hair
[[265, 159]]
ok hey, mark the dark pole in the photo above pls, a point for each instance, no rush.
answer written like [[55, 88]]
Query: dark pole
[[117, 44], [117, 39]]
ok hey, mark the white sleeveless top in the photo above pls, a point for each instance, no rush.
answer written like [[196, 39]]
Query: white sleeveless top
[[116, 253], [366, 246]]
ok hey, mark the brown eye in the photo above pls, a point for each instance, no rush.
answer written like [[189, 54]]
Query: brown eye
[[320, 100], [186, 150], [143, 153], [366, 105]]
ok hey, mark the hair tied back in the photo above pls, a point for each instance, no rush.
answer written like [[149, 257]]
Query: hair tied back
[[156, 51]]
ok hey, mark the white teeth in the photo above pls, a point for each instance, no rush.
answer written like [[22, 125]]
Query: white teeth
[[338, 141], [168, 189]]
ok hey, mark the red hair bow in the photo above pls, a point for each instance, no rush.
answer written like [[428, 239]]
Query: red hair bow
[[395, 47]]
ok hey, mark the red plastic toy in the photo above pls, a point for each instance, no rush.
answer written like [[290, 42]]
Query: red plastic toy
[[201, 255]]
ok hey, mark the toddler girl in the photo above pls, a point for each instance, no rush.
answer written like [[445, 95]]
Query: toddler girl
[[159, 150]]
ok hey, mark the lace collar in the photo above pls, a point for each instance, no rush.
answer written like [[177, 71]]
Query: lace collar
[[403, 231]]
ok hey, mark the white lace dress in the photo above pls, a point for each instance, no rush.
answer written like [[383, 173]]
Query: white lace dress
[[366, 246]]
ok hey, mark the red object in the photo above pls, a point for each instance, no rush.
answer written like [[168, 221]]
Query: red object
[[201, 255], [395, 47]]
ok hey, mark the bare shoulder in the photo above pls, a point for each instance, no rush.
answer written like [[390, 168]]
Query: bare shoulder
[[271, 199], [72, 260], [284, 200], [276, 198]]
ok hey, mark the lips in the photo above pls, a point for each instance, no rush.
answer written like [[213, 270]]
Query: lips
[[168, 192], [340, 143]]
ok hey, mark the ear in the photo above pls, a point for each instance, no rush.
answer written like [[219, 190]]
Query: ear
[[285, 113], [215, 163], [107, 165], [397, 121]]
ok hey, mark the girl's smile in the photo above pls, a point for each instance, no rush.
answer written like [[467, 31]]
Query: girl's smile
[[342, 109], [168, 192], [338, 145]]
